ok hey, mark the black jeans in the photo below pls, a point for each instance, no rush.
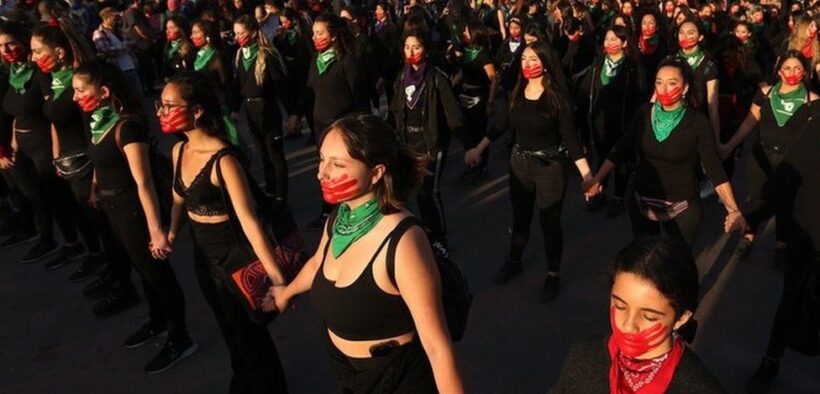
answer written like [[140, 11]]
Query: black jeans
[[603, 146], [475, 122], [683, 227], [24, 216], [166, 303], [89, 220], [265, 124], [761, 165], [429, 198], [254, 358], [535, 184]]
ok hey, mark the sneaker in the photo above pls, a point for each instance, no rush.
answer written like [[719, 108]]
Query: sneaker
[[744, 247], [170, 355], [99, 287], [67, 254], [550, 289], [144, 335], [318, 223], [763, 378], [89, 265], [19, 238], [507, 271], [118, 300], [39, 251], [616, 207]]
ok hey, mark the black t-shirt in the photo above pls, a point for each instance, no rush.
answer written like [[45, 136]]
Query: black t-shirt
[[27, 107], [113, 171], [249, 88], [770, 133], [339, 91], [68, 119], [535, 130], [475, 80], [668, 170], [706, 71]]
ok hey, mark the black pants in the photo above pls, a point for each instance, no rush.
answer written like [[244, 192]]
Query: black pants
[[23, 216], [683, 227], [475, 122], [429, 198], [788, 327], [604, 145], [265, 124], [761, 165], [166, 302], [92, 223], [254, 358], [50, 197], [535, 184]]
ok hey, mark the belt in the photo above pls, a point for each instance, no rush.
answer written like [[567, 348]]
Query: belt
[[254, 99], [543, 156], [114, 192]]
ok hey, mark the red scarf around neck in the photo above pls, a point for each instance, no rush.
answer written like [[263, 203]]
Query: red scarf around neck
[[632, 376]]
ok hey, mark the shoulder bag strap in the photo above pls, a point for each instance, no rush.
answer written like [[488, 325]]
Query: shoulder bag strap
[[238, 236]]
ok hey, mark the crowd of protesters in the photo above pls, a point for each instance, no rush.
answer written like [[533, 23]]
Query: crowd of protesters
[[658, 96]]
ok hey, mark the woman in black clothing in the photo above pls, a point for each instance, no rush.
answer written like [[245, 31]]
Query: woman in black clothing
[[612, 91], [652, 41], [124, 189], [385, 40], [57, 51], [260, 74], [545, 135], [508, 56], [476, 88], [705, 86], [425, 114], [779, 113], [31, 147], [669, 138], [178, 54], [290, 42], [210, 185], [653, 294], [386, 330], [210, 57]]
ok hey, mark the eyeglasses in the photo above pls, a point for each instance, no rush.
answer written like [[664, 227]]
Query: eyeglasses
[[166, 108]]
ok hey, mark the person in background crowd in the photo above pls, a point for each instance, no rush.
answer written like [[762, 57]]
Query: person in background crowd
[[111, 43], [179, 52], [296, 55]]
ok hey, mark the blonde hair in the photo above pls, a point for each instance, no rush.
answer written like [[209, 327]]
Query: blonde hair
[[799, 36], [266, 49]]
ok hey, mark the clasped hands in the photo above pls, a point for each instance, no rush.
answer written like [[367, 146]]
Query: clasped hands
[[276, 299]]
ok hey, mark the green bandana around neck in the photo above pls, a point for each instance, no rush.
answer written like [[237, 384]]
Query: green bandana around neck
[[352, 224], [60, 81], [20, 74], [786, 105], [471, 54], [291, 36], [102, 119], [610, 70], [693, 58], [173, 48], [203, 56], [324, 59], [249, 55], [664, 122]]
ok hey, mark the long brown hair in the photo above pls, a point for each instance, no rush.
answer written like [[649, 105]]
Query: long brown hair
[[551, 95], [77, 50], [799, 36], [266, 49]]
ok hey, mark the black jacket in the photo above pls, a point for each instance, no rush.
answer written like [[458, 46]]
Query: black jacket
[[440, 109], [586, 370]]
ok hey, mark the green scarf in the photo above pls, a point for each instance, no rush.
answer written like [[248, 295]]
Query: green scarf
[[693, 58], [786, 105], [610, 70], [173, 48], [664, 122], [20, 74], [352, 224], [60, 81], [102, 120], [203, 56], [249, 55], [324, 60], [471, 53], [291, 36], [230, 128]]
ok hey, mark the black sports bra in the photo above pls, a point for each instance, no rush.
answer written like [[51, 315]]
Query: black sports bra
[[361, 311], [201, 196]]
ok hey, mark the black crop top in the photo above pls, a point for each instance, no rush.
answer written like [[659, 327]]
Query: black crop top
[[110, 163], [361, 311], [201, 196]]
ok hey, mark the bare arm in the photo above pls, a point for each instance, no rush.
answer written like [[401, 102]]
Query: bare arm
[[418, 281], [501, 25], [724, 190], [55, 142], [137, 156], [712, 102], [179, 202], [493, 77]]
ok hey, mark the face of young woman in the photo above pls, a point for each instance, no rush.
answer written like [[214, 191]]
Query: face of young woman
[[173, 112], [648, 24], [742, 33], [515, 30], [86, 94], [612, 44], [413, 47], [197, 34], [627, 9], [320, 31], [791, 71], [529, 39], [172, 30], [638, 305], [11, 48], [337, 168], [688, 33], [45, 56], [669, 81], [243, 36]]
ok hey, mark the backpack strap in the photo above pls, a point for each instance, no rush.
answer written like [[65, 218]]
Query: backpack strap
[[395, 235]]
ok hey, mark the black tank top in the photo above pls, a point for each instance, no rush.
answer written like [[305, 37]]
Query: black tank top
[[201, 196], [361, 311]]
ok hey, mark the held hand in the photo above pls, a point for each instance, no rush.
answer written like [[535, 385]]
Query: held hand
[[6, 163], [279, 297], [159, 246], [724, 151], [472, 157], [734, 222], [592, 189]]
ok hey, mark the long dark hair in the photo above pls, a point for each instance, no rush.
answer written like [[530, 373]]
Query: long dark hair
[[370, 140], [19, 32], [793, 54], [339, 29], [478, 34], [551, 93], [622, 33], [665, 262], [198, 90], [691, 98], [211, 34], [77, 50], [101, 73]]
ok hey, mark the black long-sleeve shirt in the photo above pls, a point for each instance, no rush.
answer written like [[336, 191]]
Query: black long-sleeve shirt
[[668, 170], [339, 91], [246, 79]]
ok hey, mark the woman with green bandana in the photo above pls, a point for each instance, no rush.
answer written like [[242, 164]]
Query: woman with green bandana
[[29, 156], [209, 57], [178, 54], [374, 279], [53, 50], [669, 138], [612, 90], [123, 188], [290, 42], [779, 113]]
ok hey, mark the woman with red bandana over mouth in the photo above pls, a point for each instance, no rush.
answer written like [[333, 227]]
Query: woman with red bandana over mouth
[[803, 38], [384, 39], [209, 59], [124, 190], [370, 174], [336, 79], [690, 41], [178, 54], [612, 92], [779, 113], [206, 168], [508, 56], [670, 138], [653, 294], [652, 42]]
